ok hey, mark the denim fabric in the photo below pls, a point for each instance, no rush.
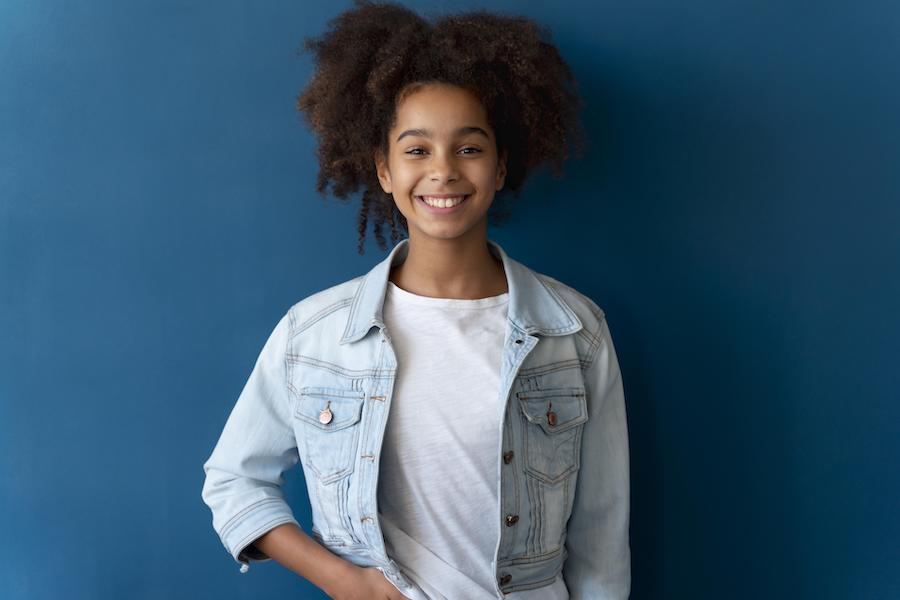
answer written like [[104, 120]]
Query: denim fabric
[[320, 395]]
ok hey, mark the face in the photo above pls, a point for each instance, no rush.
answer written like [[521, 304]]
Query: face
[[442, 150]]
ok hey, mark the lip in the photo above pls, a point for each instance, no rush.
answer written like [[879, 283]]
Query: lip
[[443, 195], [442, 211]]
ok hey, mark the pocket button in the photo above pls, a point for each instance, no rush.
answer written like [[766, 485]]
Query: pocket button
[[552, 430]]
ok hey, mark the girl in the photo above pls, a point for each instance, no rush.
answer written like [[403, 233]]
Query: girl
[[459, 418]]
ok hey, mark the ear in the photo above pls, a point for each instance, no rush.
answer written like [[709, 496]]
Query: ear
[[384, 174], [501, 171]]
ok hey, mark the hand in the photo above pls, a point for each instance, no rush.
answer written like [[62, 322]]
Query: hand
[[364, 583]]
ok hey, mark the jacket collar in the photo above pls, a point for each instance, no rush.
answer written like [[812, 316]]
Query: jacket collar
[[533, 306]]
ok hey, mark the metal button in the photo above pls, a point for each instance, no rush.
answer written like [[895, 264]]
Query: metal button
[[518, 341], [507, 457], [505, 578], [325, 416], [551, 416], [511, 520]]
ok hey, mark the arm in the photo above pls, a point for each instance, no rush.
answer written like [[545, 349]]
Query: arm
[[293, 549], [339, 578], [598, 565], [244, 473], [243, 486]]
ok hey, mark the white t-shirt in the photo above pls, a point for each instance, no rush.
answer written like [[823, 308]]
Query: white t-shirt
[[437, 483]]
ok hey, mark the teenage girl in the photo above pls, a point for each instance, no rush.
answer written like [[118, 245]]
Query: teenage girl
[[502, 470]]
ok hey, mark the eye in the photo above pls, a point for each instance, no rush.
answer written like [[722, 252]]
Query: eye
[[421, 151]]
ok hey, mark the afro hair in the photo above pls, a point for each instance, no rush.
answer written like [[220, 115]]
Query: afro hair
[[372, 55]]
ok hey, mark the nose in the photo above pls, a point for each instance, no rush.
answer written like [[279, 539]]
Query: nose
[[443, 169]]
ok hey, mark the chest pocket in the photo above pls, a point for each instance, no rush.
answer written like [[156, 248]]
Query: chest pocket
[[327, 430], [553, 423]]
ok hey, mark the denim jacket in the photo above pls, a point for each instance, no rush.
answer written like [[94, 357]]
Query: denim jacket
[[320, 394]]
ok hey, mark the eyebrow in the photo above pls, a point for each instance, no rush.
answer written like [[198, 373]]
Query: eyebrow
[[427, 133]]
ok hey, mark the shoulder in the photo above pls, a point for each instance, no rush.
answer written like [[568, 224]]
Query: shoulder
[[588, 311], [324, 304], [592, 317]]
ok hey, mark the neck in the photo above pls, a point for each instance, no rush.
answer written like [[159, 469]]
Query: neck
[[461, 268]]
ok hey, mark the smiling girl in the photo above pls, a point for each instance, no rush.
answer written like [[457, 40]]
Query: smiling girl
[[459, 418]]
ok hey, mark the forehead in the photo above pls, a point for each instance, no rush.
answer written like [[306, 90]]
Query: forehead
[[440, 107]]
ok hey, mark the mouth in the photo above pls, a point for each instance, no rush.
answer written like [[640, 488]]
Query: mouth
[[442, 204]]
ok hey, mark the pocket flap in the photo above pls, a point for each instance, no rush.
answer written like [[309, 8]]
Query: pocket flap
[[568, 405], [344, 405]]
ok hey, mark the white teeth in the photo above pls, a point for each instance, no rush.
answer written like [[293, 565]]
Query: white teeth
[[442, 202]]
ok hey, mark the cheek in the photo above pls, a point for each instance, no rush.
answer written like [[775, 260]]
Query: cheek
[[486, 176], [403, 191], [404, 178]]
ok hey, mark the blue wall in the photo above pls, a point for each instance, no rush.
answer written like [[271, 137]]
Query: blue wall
[[737, 215]]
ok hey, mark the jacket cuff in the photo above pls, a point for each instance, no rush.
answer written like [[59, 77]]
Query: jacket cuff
[[252, 523]]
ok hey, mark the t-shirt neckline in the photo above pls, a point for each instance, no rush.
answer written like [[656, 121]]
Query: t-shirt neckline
[[406, 297]]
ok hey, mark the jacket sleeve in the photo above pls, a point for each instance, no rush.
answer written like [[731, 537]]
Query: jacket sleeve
[[598, 565], [257, 445]]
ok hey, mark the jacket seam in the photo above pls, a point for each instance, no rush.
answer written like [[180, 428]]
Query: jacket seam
[[532, 559], [592, 355], [241, 546], [338, 370], [230, 525], [551, 367], [322, 313], [593, 338], [534, 584]]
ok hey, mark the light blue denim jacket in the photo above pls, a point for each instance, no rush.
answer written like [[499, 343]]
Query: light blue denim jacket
[[320, 393]]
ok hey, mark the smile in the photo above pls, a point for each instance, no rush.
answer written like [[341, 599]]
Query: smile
[[442, 204]]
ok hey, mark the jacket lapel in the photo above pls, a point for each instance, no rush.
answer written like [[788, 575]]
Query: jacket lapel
[[534, 307]]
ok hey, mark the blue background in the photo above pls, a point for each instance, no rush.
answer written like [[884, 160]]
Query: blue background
[[737, 216]]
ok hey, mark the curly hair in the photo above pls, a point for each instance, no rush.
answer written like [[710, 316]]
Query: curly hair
[[375, 54]]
